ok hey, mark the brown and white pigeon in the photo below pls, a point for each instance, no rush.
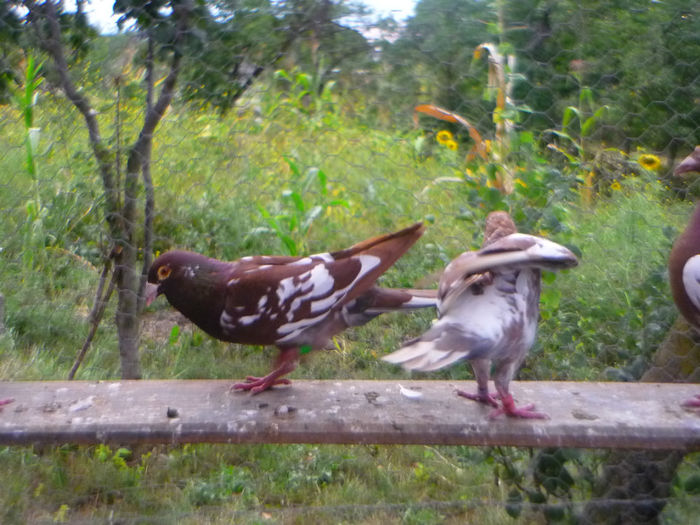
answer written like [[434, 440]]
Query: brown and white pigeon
[[488, 307], [295, 303], [684, 262]]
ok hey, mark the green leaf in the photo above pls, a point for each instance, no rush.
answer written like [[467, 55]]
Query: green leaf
[[281, 73], [296, 199], [514, 503], [322, 182], [289, 243], [270, 220], [339, 202], [692, 484], [304, 80], [569, 113], [123, 453], [174, 335], [526, 137], [586, 98], [31, 209], [103, 452], [590, 121], [292, 165], [311, 217]]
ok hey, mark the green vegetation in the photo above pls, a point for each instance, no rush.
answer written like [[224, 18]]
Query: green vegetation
[[316, 154], [602, 320]]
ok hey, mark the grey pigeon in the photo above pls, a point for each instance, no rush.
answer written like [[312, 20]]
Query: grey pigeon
[[488, 308]]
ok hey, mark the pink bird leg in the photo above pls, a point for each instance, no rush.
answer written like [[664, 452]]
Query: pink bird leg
[[286, 363], [510, 410], [482, 396], [692, 403]]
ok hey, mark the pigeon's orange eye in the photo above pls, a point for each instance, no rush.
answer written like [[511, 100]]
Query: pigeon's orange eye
[[163, 272]]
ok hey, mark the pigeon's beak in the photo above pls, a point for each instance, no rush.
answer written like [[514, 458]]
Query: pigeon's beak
[[152, 291]]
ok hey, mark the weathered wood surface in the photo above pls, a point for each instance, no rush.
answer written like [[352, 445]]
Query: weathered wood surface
[[598, 415]]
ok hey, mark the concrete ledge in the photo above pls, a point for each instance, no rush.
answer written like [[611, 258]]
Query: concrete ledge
[[585, 415]]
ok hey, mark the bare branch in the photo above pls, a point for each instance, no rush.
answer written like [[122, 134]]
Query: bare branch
[[149, 206], [98, 309], [53, 45]]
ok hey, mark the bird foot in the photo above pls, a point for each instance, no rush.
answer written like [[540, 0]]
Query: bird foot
[[480, 397], [510, 410], [5, 402], [260, 384], [692, 403]]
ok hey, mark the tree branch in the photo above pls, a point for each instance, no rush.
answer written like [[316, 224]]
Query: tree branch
[[53, 45], [97, 312], [149, 205]]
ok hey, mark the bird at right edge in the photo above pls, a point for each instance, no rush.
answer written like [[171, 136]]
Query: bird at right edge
[[488, 310], [684, 263]]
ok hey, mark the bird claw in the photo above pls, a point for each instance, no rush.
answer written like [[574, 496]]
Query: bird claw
[[259, 384], [692, 403], [510, 410], [487, 398]]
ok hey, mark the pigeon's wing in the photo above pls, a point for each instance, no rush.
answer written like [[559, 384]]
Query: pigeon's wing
[[691, 280], [284, 300], [458, 277], [514, 250]]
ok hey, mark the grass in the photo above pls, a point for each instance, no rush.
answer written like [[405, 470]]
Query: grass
[[599, 321]]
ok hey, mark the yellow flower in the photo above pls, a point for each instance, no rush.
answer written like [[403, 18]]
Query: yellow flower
[[444, 136], [520, 181], [451, 144], [649, 161], [615, 186]]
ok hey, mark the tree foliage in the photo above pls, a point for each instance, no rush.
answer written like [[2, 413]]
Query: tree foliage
[[640, 58]]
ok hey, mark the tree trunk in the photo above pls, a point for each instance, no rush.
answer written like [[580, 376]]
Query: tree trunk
[[127, 317], [635, 485]]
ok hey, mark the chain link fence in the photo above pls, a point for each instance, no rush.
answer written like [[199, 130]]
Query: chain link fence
[[241, 128]]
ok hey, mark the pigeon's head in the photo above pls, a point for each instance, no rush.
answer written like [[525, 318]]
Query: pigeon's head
[[690, 163], [498, 225], [170, 269]]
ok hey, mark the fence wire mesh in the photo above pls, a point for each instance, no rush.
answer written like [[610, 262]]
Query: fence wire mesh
[[294, 127]]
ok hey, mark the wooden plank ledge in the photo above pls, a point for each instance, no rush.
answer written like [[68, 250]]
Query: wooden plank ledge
[[587, 415]]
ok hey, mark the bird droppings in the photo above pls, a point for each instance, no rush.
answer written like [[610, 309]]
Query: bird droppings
[[81, 404], [51, 407], [285, 411], [172, 413], [581, 414]]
